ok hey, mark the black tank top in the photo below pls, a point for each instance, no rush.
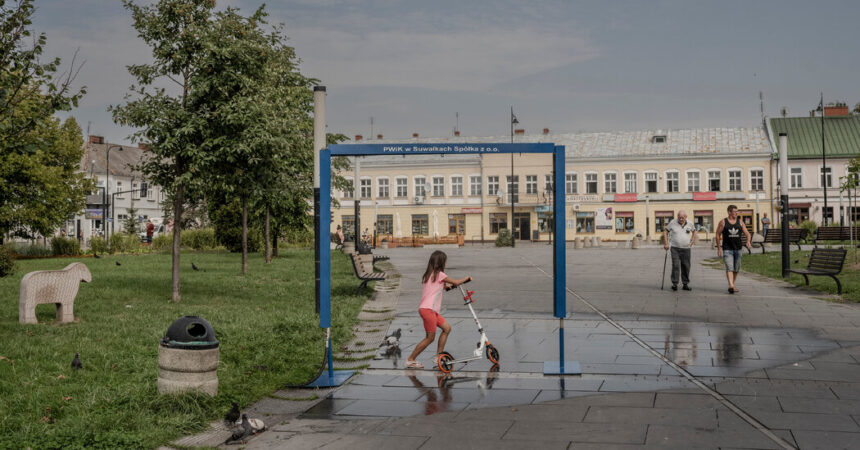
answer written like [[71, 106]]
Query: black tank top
[[732, 235]]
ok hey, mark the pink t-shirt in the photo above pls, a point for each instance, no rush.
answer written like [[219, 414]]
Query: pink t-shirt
[[431, 292]]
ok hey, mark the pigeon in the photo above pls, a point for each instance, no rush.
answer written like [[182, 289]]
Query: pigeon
[[242, 432], [76, 363], [796, 261], [392, 339], [96, 256], [194, 266], [232, 416], [117, 263]]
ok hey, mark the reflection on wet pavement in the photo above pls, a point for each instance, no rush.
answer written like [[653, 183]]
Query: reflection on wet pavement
[[610, 362]]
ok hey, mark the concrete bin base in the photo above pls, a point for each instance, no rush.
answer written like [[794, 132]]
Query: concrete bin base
[[181, 370]]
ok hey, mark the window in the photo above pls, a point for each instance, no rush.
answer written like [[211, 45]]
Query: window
[[713, 181], [457, 224], [348, 191], [420, 186], [498, 221], [591, 183], [456, 186], [531, 184], [493, 185], [693, 182], [826, 177], [630, 183], [796, 177], [735, 180], [420, 225], [658, 139], [475, 185], [585, 222], [610, 182], [382, 188], [402, 187], [548, 184], [365, 187], [135, 193], [672, 181], [513, 188], [704, 221], [570, 183], [119, 189], [150, 193], [438, 186], [624, 221], [661, 219], [651, 182], [348, 223], [384, 224], [757, 180]]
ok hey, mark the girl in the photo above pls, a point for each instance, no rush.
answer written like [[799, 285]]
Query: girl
[[433, 284]]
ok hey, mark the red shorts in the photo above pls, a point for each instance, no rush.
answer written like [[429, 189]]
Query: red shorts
[[432, 319]]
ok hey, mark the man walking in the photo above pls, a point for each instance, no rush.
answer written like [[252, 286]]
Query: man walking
[[150, 229], [729, 232], [765, 225], [680, 234]]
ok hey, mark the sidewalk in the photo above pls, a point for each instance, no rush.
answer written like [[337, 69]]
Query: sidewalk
[[774, 366]]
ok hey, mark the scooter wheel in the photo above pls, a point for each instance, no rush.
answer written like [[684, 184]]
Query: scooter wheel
[[492, 354], [445, 364]]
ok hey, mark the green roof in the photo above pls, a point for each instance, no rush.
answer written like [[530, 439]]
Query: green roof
[[841, 136]]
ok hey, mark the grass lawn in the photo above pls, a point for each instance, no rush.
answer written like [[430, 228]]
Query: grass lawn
[[770, 264], [265, 322]]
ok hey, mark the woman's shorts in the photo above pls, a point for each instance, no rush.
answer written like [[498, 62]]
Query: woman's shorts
[[432, 319], [732, 258]]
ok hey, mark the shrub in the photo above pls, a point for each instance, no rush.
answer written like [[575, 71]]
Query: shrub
[[504, 238], [124, 243], [300, 236], [65, 246], [162, 241], [811, 227], [202, 239], [29, 249], [98, 245], [7, 261]]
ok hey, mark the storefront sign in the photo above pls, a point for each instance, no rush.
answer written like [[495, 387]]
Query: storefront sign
[[471, 210], [623, 198], [603, 219], [584, 198], [93, 214], [704, 196], [543, 208]]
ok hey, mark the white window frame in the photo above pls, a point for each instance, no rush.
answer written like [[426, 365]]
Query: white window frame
[[751, 178], [493, 185], [821, 176], [531, 184], [149, 192], [677, 174], [709, 177], [595, 181], [454, 185], [739, 179], [698, 173], [571, 182], [349, 193], [135, 191], [438, 189], [799, 178], [420, 189], [119, 189], [383, 183], [369, 188], [475, 189], [607, 181], [635, 182], [397, 186], [646, 175], [548, 182]]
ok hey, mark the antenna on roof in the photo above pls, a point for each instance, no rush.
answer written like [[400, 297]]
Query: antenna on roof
[[761, 104]]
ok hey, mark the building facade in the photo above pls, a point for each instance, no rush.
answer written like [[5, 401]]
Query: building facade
[[617, 185]]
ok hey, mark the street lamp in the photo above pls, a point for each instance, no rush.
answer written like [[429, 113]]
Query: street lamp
[[514, 121], [823, 177], [548, 193], [105, 192]]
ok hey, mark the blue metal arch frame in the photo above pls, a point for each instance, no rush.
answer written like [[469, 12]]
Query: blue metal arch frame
[[559, 263]]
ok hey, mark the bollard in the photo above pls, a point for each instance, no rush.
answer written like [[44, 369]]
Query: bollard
[[578, 243], [635, 242]]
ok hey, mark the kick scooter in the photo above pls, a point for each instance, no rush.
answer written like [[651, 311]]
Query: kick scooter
[[446, 361]]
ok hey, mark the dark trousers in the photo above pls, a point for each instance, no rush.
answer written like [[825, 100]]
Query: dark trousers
[[680, 263]]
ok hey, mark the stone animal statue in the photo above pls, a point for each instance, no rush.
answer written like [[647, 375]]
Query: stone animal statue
[[52, 286]]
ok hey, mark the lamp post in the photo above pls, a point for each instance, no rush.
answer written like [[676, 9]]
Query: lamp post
[[514, 121], [548, 193], [105, 192], [823, 162]]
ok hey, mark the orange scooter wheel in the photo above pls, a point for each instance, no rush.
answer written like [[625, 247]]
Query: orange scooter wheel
[[492, 354], [445, 364]]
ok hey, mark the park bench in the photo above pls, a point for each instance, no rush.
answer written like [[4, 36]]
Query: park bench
[[774, 236], [825, 262], [834, 234], [363, 273]]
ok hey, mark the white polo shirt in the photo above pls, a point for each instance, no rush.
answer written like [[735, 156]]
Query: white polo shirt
[[680, 235]]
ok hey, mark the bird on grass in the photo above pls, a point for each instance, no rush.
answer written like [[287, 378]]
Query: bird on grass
[[392, 339], [239, 435], [117, 263], [194, 266], [232, 416], [96, 256], [76, 363]]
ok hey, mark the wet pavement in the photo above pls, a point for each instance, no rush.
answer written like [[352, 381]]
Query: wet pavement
[[772, 366]]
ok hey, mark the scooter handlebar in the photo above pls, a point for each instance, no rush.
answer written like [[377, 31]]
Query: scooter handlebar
[[448, 288]]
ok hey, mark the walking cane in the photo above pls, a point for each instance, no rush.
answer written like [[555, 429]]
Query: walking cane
[[663, 282]]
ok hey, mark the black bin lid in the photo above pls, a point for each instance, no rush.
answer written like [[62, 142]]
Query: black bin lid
[[190, 333]]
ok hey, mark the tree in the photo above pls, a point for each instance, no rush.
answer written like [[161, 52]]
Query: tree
[[130, 224], [39, 156]]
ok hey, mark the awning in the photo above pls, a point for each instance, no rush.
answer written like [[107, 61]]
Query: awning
[[800, 205], [623, 213], [664, 214], [709, 212]]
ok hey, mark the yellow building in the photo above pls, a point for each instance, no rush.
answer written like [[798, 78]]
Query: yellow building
[[617, 185]]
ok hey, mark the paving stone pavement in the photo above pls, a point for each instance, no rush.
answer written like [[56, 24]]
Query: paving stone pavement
[[773, 366]]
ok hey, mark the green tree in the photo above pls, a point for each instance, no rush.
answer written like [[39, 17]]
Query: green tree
[[130, 224], [39, 156]]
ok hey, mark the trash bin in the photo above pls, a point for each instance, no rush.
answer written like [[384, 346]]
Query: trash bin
[[535, 235], [188, 357]]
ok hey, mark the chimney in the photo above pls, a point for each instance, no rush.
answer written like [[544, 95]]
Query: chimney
[[379, 136], [358, 137], [97, 139], [457, 133], [415, 135], [520, 131], [839, 109], [145, 146], [546, 131]]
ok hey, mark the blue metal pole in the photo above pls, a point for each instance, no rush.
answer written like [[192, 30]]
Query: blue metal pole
[[559, 266], [324, 243]]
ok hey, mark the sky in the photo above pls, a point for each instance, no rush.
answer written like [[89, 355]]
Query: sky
[[570, 66]]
